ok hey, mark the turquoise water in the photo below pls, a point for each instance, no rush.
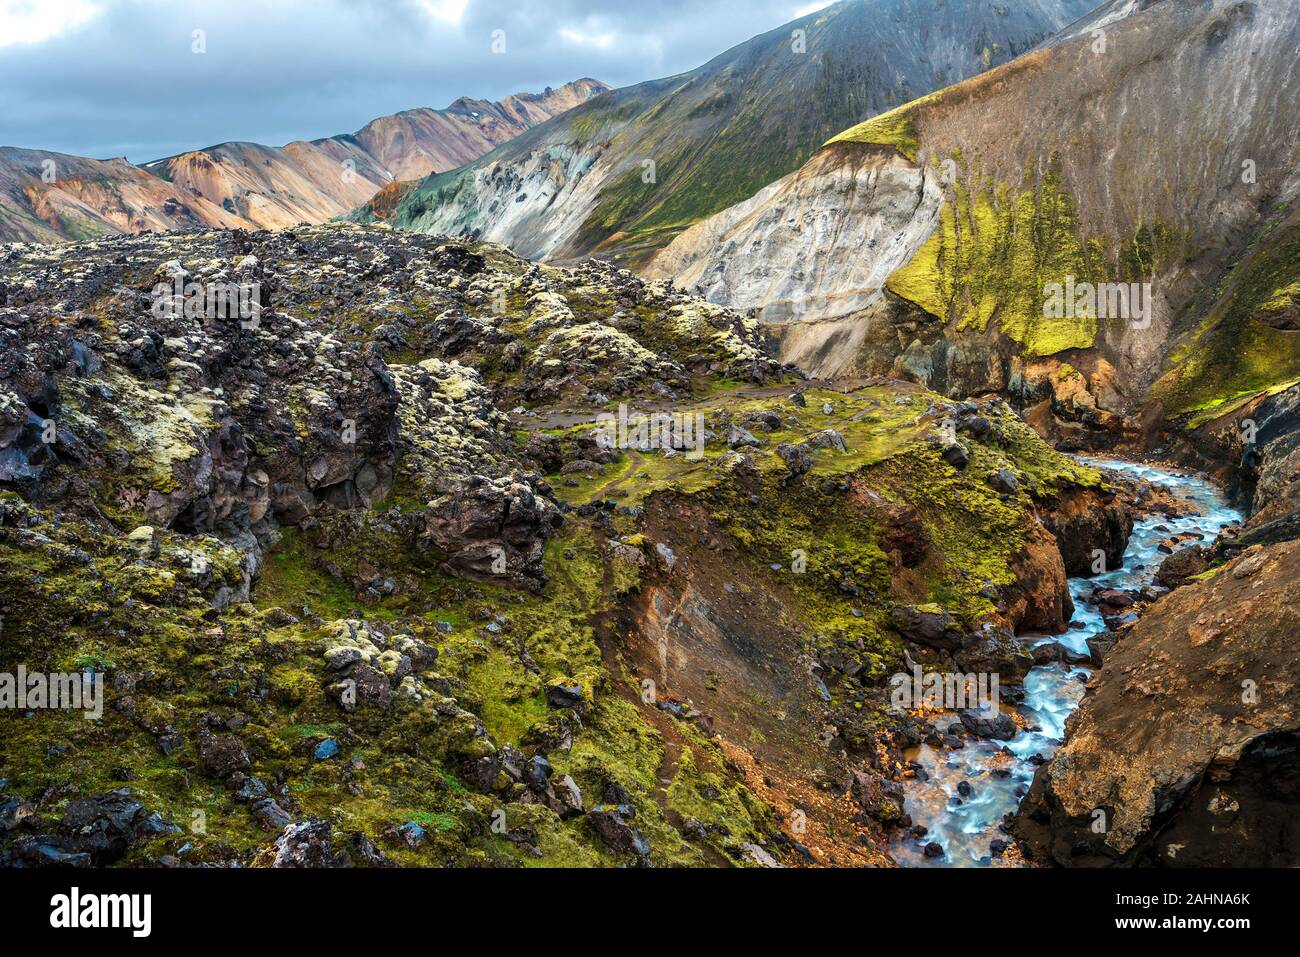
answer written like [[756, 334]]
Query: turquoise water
[[998, 772]]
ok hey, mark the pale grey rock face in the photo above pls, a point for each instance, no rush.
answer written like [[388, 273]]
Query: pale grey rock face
[[619, 175], [814, 245], [534, 202], [817, 245]]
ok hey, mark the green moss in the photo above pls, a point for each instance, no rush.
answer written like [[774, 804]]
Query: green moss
[[512, 700], [1235, 355], [290, 578], [714, 799], [993, 255], [896, 129]]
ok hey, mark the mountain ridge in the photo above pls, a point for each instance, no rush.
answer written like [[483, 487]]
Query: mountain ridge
[[250, 185], [623, 174], [1075, 160]]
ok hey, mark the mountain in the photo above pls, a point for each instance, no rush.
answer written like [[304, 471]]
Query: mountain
[[584, 183], [247, 185], [318, 180], [443, 558], [87, 198], [1152, 150], [1152, 142]]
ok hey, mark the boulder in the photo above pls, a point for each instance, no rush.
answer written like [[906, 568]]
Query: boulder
[[1182, 566], [955, 454], [988, 724], [796, 458], [492, 528], [562, 695], [1003, 481], [1189, 738], [829, 439], [303, 845], [613, 826], [221, 755], [932, 627], [1053, 651], [879, 798], [738, 438]]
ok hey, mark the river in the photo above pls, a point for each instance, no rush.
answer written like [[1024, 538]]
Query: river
[[997, 774]]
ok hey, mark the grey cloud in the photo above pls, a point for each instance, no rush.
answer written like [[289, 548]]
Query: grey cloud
[[127, 83]]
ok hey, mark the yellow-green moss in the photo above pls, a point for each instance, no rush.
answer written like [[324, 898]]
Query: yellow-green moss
[[1234, 355], [992, 255], [896, 128]]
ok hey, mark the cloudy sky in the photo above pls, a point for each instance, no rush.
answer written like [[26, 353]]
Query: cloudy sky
[[106, 78]]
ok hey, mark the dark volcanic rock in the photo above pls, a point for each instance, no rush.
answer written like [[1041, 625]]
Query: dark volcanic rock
[[937, 629], [997, 724], [306, 844], [493, 528], [879, 797], [994, 650], [1086, 522], [955, 454], [613, 826], [94, 832], [797, 459], [1003, 481], [221, 755], [1183, 565], [1189, 744]]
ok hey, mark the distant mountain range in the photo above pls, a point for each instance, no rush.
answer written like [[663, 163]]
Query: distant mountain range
[[623, 174], [48, 196]]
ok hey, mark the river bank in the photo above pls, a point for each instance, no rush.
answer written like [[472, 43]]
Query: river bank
[[960, 798]]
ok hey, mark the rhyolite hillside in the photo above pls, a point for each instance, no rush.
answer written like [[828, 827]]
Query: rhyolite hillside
[[1151, 142], [47, 197], [580, 185]]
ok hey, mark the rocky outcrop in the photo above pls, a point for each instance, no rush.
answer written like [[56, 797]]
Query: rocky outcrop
[[1091, 527], [492, 528], [1271, 463], [1184, 750], [771, 251], [1039, 599], [94, 831], [279, 540], [240, 427]]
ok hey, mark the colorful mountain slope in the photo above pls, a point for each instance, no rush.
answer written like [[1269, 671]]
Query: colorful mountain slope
[[623, 174]]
